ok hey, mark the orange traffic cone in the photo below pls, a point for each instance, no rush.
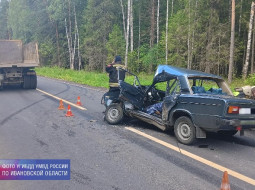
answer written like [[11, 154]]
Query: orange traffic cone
[[225, 183], [69, 112], [61, 105], [78, 101]]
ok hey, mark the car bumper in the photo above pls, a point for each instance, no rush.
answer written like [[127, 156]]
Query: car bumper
[[245, 124]]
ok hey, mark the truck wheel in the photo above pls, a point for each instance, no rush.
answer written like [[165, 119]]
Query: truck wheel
[[26, 83], [184, 130], [33, 81], [228, 133], [113, 114]]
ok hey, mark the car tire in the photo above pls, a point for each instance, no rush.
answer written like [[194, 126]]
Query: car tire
[[184, 130], [228, 133], [114, 114]]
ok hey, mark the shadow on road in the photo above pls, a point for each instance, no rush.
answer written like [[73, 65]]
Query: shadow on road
[[12, 88], [247, 140]]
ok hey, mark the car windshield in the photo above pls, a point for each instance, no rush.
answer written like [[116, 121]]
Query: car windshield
[[209, 86]]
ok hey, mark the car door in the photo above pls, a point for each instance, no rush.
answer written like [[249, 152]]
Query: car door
[[132, 94], [172, 93]]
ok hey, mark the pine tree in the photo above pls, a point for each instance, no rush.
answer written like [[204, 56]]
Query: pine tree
[[99, 17], [4, 32], [116, 44]]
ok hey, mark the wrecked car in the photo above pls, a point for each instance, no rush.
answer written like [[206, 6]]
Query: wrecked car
[[192, 103]]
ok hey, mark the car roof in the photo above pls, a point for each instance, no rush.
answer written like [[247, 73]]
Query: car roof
[[177, 71]]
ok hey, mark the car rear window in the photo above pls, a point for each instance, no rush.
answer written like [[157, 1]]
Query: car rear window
[[202, 85]]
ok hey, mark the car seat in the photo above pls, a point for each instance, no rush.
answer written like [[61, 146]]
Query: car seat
[[198, 89]]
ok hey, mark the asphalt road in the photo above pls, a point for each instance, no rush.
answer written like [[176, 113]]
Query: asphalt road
[[107, 156]]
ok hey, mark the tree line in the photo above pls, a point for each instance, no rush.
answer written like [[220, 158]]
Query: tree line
[[209, 35]]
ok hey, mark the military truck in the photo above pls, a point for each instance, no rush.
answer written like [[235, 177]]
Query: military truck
[[17, 63]]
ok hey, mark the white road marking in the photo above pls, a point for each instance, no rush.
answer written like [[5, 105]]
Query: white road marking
[[67, 102], [195, 157]]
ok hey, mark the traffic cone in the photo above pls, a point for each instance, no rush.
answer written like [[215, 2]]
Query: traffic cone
[[69, 112], [225, 183], [61, 105], [78, 101]]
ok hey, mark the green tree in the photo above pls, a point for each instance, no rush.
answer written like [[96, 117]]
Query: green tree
[[21, 23], [116, 44], [99, 18], [4, 32], [198, 32]]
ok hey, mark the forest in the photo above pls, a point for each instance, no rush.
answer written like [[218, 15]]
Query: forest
[[215, 36]]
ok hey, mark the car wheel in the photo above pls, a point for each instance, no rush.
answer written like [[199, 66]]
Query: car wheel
[[113, 114], [184, 130], [228, 133]]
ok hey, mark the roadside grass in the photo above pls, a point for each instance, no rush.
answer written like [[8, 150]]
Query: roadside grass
[[82, 77], [101, 79], [88, 78]]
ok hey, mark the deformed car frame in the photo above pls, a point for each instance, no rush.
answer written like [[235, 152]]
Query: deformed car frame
[[188, 101]]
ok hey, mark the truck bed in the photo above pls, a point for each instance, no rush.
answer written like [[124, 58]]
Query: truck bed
[[14, 54]]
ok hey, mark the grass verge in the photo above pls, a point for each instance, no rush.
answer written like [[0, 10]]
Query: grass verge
[[101, 79], [88, 78]]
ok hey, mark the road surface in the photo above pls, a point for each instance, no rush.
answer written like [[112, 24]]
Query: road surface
[[133, 155]]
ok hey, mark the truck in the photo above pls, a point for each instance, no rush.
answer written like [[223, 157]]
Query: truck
[[17, 63]]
